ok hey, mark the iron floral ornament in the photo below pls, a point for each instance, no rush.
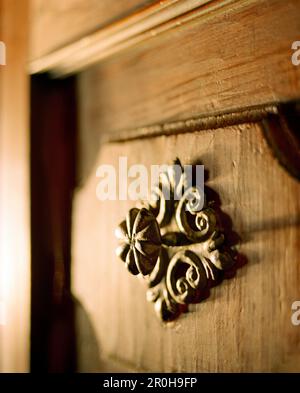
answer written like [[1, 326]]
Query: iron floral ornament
[[175, 244]]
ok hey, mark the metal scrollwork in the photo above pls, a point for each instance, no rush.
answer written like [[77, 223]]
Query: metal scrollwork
[[175, 244]]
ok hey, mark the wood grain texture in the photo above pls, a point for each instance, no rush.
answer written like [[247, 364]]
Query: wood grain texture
[[116, 37], [14, 189], [245, 325], [56, 23], [235, 57]]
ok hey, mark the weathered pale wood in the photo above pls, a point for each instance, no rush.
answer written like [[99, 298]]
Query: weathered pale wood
[[234, 57], [245, 325], [56, 23], [14, 189]]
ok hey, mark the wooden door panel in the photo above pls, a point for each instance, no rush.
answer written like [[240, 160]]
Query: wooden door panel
[[205, 81], [246, 318], [14, 189]]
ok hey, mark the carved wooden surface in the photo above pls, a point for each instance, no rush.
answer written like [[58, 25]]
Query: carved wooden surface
[[245, 325]]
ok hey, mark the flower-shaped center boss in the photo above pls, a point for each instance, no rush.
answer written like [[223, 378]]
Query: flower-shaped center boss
[[140, 240]]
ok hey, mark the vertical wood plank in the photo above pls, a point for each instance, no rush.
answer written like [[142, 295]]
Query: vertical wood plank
[[14, 189]]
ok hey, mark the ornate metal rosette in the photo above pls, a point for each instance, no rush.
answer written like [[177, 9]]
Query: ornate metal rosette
[[175, 244]]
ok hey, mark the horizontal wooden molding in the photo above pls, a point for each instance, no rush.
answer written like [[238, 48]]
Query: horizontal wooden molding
[[137, 28], [217, 120], [280, 124]]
